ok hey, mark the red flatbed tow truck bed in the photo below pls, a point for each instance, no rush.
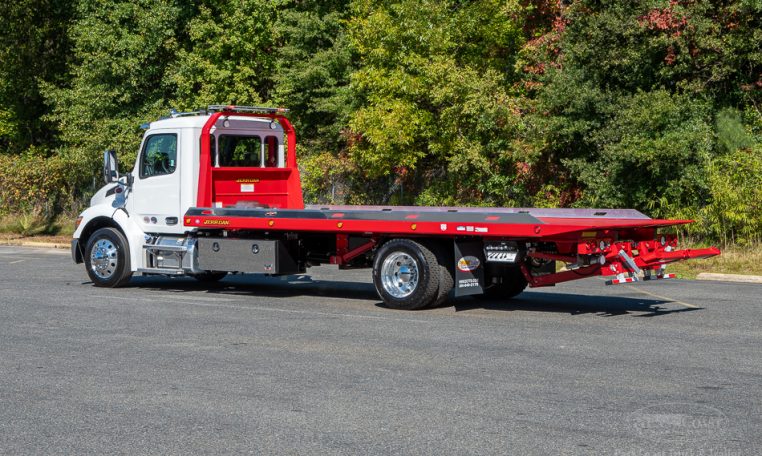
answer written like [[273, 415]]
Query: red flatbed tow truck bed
[[478, 249], [563, 227]]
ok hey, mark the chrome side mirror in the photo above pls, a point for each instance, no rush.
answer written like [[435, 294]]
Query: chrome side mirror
[[110, 166]]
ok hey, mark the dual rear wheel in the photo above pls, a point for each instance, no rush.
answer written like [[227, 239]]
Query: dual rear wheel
[[409, 275]]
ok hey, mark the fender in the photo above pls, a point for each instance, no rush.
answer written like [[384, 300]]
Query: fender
[[119, 217]]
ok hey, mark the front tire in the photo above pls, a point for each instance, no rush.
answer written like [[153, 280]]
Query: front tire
[[406, 275], [107, 258]]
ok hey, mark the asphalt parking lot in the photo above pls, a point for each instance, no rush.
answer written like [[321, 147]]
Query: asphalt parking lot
[[315, 365]]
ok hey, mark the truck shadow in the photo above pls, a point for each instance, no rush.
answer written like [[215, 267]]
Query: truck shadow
[[252, 285], [576, 304], [305, 286]]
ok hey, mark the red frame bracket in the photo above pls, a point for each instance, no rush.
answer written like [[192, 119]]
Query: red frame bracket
[[344, 255]]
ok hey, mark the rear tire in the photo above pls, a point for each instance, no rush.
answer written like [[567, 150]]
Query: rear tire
[[406, 275], [446, 284], [446, 278], [107, 258]]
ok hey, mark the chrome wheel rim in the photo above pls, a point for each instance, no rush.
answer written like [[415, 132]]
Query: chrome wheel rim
[[399, 275], [103, 259]]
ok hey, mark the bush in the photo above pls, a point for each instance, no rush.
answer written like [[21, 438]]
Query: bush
[[40, 187], [735, 212]]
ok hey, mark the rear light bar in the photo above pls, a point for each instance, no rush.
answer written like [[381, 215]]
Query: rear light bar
[[622, 280], [255, 109]]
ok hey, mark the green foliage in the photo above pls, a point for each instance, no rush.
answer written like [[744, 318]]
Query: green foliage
[[41, 187], [313, 62], [228, 58], [734, 214], [655, 105], [122, 50], [435, 108], [656, 146], [731, 134], [34, 49], [632, 105]]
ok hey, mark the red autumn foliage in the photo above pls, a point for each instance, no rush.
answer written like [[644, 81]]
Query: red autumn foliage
[[665, 20]]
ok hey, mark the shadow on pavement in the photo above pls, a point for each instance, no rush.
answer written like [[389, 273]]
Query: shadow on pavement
[[303, 285], [575, 304], [252, 284]]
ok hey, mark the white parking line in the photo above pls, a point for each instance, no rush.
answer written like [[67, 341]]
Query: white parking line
[[166, 296], [664, 298], [183, 300]]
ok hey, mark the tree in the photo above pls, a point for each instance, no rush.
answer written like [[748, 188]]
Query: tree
[[625, 101], [34, 49], [228, 57], [122, 52], [313, 63], [436, 114]]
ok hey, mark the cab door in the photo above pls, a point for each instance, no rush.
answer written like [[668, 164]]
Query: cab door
[[155, 198]]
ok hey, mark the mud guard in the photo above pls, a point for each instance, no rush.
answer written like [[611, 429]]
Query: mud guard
[[469, 268]]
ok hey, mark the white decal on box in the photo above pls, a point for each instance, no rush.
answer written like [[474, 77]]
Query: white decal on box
[[470, 229], [461, 228], [468, 283], [443, 227], [247, 188], [482, 229]]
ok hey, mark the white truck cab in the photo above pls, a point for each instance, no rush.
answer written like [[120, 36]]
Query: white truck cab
[[133, 214]]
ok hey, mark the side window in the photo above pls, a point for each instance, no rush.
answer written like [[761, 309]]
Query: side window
[[239, 151], [271, 152], [213, 151], [159, 155]]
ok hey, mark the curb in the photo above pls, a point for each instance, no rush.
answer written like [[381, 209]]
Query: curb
[[729, 277], [40, 245]]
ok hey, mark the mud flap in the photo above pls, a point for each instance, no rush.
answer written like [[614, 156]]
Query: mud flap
[[469, 268]]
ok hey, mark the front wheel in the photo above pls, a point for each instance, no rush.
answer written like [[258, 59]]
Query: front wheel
[[406, 275], [107, 258]]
